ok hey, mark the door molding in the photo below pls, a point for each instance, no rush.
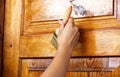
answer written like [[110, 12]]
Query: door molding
[[30, 27]]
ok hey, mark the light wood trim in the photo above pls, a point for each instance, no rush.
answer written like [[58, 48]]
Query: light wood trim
[[75, 64], [118, 10], [45, 27], [24, 69], [11, 38], [35, 67], [0, 57]]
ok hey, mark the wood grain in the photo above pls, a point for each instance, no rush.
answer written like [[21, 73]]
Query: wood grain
[[92, 23], [0, 57], [118, 10], [52, 10], [38, 18], [11, 38], [75, 65], [105, 42], [35, 67], [24, 52], [1, 33]]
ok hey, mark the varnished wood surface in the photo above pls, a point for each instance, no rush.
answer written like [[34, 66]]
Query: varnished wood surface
[[92, 42], [35, 28], [104, 42], [0, 57], [1, 33], [35, 67], [118, 8], [38, 18], [76, 64], [81, 74], [42, 10], [11, 38], [34, 41]]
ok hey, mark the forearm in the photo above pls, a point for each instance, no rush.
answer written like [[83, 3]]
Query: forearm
[[59, 64], [67, 39]]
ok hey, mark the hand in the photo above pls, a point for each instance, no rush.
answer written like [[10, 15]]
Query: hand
[[68, 35]]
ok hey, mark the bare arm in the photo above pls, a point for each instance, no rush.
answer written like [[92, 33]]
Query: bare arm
[[67, 38]]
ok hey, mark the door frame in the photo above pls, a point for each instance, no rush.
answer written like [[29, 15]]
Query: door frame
[[13, 13]]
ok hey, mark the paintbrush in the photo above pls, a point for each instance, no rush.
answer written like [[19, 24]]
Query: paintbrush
[[65, 20]]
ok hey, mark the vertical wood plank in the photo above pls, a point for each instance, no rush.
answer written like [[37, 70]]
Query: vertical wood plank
[[118, 10], [11, 38], [0, 57], [0, 39], [1, 32], [24, 71]]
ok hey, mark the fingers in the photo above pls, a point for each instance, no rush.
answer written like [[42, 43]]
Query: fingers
[[61, 23], [76, 33], [71, 21], [76, 38], [69, 34], [74, 30]]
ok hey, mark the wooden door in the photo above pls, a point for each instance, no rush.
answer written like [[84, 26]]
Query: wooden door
[[29, 26]]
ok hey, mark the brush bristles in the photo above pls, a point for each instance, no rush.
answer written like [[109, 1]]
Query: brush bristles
[[54, 40]]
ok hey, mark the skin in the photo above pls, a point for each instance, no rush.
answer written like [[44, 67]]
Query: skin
[[58, 67]]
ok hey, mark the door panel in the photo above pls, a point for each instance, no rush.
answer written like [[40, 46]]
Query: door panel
[[40, 10], [41, 16], [81, 74], [84, 67], [39, 23], [37, 20], [92, 43], [75, 64]]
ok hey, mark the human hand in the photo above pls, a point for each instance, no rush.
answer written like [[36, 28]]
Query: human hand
[[68, 35]]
